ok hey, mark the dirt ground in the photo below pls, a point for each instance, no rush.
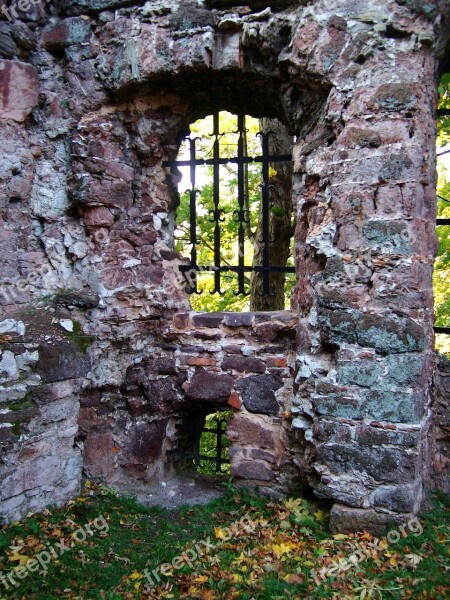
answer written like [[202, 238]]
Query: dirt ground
[[184, 489]]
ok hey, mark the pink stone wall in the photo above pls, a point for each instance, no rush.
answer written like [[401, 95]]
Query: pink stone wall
[[96, 326]]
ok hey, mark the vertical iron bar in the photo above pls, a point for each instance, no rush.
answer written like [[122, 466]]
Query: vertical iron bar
[[265, 213], [241, 201], [198, 435], [219, 446], [216, 199], [193, 219]]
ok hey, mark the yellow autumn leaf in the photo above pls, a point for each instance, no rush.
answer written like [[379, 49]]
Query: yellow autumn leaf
[[32, 542], [340, 536], [320, 515], [282, 548], [293, 505], [135, 575], [220, 533], [201, 579], [240, 559], [272, 172], [393, 561], [15, 555], [58, 533]]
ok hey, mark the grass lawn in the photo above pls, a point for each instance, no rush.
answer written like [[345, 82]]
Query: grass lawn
[[102, 546]]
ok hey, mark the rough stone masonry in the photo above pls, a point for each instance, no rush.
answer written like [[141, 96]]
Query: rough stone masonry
[[100, 353]]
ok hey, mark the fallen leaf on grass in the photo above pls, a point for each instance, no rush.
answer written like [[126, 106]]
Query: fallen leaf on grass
[[16, 556], [293, 578], [413, 559]]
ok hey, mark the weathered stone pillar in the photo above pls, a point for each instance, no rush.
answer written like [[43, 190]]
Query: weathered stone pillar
[[367, 212]]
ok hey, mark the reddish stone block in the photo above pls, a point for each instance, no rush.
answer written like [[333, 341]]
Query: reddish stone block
[[181, 320], [394, 97], [235, 401], [19, 90], [273, 330], [109, 192], [98, 455], [366, 435], [273, 361], [247, 430], [116, 277], [201, 361], [98, 217]]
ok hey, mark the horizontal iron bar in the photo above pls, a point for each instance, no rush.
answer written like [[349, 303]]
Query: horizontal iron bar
[[442, 221], [443, 112], [187, 268], [442, 330], [224, 161]]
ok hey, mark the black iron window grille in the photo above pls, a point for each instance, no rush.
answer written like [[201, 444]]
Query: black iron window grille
[[443, 112], [240, 213], [195, 430]]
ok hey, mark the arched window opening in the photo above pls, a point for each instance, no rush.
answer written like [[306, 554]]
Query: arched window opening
[[441, 276], [235, 219]]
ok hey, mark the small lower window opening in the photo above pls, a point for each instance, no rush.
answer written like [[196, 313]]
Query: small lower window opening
[[202, 444]]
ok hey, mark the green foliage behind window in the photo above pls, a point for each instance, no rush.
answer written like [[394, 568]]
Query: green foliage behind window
[[441, 277], [208, 444], [202, 130]]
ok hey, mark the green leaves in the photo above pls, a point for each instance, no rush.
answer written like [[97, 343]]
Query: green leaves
[[441, 276], [229, 227], [277, 211], [443, 136]]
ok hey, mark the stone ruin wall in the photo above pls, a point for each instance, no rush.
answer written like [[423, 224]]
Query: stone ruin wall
[[100, 355]]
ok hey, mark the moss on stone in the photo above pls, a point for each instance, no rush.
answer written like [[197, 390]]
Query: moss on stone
[[16, 429], [20, 405], [78, 337]]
